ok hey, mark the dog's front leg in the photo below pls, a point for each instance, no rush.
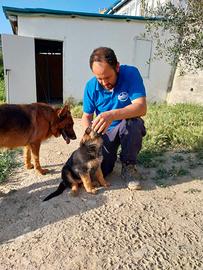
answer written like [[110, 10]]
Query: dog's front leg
[[27, 158], [35, 147], [100, 178], [88, 183]]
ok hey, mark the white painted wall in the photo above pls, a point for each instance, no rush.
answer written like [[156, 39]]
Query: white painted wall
[[133, 7], [187, 88], [80, 36], [19, 61]]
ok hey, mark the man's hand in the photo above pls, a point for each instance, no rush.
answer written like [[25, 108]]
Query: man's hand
[[102, 122]]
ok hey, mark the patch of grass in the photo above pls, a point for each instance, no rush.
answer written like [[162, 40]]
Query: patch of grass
[[7, 163], [161, 182], [2, 91], [178, 158], [192, 190], [150, 159], [163, 174], [199, 155], [76, 111], [173, 127], [192, 163], [177, 171]]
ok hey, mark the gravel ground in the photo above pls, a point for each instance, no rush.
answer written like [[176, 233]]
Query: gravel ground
[[155, 228]]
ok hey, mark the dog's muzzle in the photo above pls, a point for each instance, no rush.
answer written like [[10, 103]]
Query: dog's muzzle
[[66, 137]]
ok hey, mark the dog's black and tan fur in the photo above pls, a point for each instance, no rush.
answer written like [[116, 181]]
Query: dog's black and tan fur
[[83, 165]]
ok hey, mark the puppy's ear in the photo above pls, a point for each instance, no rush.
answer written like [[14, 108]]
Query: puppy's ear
[[84, 139], [86, 136], [88, 130]]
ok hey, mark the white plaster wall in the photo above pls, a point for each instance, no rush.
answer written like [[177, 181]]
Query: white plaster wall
[[80, 36], [187, 88], [133, 7], [19, 59]]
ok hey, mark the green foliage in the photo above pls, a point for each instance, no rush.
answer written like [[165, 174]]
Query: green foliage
[[184, 24], [2, 91], [76, 111], [1, 66], [72, 102], [193, 191], [7, 163], [175, 127]]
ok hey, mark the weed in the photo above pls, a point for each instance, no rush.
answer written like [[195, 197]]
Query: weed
[[178, 158], [7, 163], [163, 174], [2, 91], [150, 159], [76, 111], [192, 190]]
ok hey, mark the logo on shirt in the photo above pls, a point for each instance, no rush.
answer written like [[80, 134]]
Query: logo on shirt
[[123, 96]]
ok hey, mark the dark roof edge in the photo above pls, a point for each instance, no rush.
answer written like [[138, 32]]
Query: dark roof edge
[[16, 11]]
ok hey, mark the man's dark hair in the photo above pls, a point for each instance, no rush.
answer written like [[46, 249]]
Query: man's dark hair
[[104, 54]]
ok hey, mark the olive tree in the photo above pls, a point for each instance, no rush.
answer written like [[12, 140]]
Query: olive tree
[[183, 43]]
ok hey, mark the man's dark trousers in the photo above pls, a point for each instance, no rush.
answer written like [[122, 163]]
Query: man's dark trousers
[[128, 134]]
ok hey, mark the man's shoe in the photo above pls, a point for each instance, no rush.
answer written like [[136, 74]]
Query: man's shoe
[[130, 174]]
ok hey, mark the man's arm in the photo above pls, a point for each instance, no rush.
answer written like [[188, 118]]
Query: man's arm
[[136, 109], [87, 120]]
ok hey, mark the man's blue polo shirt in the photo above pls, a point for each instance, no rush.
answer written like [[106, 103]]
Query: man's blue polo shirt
[[129, 86]]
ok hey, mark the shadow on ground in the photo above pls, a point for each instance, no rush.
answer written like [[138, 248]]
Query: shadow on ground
[[23, 210]]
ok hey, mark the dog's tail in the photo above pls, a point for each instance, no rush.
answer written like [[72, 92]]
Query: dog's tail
[[59, 190]]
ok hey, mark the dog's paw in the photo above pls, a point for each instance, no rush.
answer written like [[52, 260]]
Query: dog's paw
[[107, 184], [74, 193], [93, 191], [42, 171], [29, 166]]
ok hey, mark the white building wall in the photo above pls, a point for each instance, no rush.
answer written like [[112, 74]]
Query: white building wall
[[19, 67], [80, 36], [187, 88], [134, 7]]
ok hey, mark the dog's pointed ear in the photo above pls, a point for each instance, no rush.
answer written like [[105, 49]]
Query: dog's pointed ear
[[85, 137], [88, 130], [63, 111]]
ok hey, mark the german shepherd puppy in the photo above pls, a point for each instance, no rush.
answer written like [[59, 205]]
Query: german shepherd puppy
[[29, 124], [83, 165]]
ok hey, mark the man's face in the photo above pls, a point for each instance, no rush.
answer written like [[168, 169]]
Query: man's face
[[105, 74]]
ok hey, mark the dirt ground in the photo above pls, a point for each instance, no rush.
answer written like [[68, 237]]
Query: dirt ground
[[155, 228]]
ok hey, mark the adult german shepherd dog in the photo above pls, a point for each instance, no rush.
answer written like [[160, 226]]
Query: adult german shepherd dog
[[29, 124], [83, 165]]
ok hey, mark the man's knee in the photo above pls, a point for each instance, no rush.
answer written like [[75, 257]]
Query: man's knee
[[136, 125]]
